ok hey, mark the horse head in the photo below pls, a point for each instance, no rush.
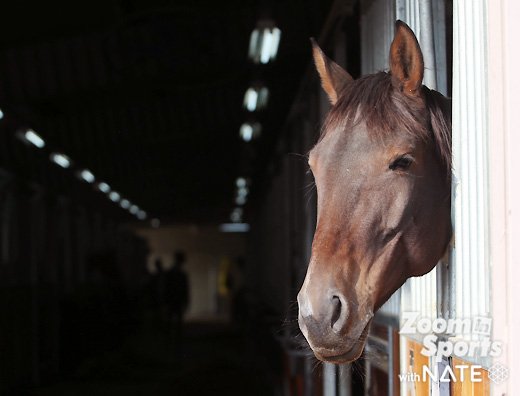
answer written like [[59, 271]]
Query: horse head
[[382, 171]]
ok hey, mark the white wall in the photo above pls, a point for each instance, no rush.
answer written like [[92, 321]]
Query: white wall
[[504, 145], [206, 250]]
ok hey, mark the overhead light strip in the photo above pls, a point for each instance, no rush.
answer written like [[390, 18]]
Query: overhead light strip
[[87, 176], [30, 136], [103, 187], [62, 160]]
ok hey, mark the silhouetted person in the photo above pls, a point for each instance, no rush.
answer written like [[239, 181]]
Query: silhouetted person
[[238, 292], [158, 286], [177, 295]]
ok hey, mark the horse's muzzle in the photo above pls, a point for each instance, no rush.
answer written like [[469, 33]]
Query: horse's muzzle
[[326, 322]]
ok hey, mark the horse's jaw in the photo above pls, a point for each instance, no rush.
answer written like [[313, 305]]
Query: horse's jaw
[[343, 354]]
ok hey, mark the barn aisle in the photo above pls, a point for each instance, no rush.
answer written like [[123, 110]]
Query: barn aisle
[[214, 359]]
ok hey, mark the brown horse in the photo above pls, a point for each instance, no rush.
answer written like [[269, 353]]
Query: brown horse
[[382, 169]]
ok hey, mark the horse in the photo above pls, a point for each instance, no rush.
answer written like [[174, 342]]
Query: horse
[[382, 170]]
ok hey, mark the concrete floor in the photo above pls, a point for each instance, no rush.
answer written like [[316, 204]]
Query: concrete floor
[[214, 359]]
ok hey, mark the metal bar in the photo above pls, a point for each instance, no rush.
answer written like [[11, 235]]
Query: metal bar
[[470, 185], [329, 379]]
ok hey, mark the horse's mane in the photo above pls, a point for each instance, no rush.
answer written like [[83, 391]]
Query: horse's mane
[[374, 100]]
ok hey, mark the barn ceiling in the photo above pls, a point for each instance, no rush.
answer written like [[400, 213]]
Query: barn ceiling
[[148, 94]]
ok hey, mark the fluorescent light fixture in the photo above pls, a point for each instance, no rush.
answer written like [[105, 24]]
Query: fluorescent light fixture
[[125, 203], [264, 42], [263, 96], [242, 191], [254, 45], [134, 209], [141, 215], [246, 132], [251, 99], [250, 131], [269, 47], [114, 196], [236, 215], [87, 175], [265, 48], [155, 223], [241, 182], [103, 187], [234, 227], [33, 138], [61, 160], [275, 42], [1, 114], [256, 98]]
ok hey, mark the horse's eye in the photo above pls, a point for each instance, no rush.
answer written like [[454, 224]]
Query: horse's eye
[[401, 163]]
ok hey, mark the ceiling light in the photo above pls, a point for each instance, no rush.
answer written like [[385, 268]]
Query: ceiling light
[[234, 227], [256, 98], [32, 137], [61, 160], [114, 196], [134, 209], [155, 223], [242, 191], [87, 175], [241, 182], [246, 132], [141, 215], [254, 47], [250, 131], [264, 42], [103, 187], [1, 114], [240, 200], [263, 95], [269, 47], [251, 99], [125, 203], [236, 215]]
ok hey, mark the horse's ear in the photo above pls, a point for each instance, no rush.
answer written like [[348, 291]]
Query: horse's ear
[[406, 60], [333, 76]]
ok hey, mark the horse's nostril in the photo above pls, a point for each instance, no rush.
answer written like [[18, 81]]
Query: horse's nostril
[[336, 310]]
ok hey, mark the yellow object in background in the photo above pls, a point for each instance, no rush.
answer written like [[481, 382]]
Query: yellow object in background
[[224, 270]]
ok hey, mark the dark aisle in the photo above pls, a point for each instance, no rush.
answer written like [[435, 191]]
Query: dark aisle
[[215, 360]]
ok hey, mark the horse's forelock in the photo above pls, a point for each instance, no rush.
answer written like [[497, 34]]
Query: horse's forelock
[[374, 100]]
